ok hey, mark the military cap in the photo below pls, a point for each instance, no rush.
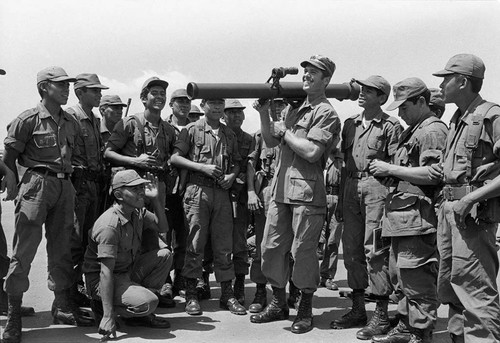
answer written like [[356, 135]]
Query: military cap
[[406, 89], [465, 64], [233, 103], [111, 100], [195, 110], [154, 81], [89, 81], [378, 82], [126, 178], [179, 93], [436, 97], [55, 74], [321, 62]]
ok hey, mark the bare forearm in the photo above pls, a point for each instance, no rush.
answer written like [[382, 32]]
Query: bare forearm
[[118, 159], [415, 175], [303, 147], [265, 123], [184, 163]]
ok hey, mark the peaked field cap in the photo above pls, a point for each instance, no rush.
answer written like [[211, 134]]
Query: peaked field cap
[[321, 62], [196, 110], [126, 178], [406, 89], [89, 80], [465, 64], [53, 74], [436, 97], [378, 82], [180, 93], [155, 81], [233, 103], [111, 100]]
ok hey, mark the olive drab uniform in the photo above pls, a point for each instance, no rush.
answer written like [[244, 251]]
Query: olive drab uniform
[[133, 136], [263, 160], [87, 177], [333, 229], [468, 256], [298, 204], [363, 199], [410, 220], [46, 196], [207, 206]]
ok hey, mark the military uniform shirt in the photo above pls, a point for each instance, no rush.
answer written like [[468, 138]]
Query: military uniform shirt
[[377, 141], [42, 142], [118, 237]]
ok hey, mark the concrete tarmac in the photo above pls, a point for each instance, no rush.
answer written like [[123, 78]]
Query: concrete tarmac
[[214, 325]]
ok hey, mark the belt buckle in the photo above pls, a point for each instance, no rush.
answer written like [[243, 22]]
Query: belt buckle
[[61, 175]]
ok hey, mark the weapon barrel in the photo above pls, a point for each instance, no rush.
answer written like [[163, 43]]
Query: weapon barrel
[[290, 90]]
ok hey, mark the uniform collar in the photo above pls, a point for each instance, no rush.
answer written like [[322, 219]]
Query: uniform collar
[[122, 216], [44, 113], [377, 118], [315, 102], [465, 117]]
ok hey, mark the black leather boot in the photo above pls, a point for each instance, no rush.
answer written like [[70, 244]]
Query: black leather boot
[[65, 311], [293, 295], [398, 334], [228, 300], [192, 305], [276, 310], [179, 286], [13, 327], [239, 288], [260, 300], [378, 324], [26, 311], [304, 320], [356, 316]]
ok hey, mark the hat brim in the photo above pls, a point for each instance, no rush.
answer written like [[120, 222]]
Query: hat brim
[[114, 104], [395, 105], [98, 86], [316, 64], [229, 108], [443, 73], [136, 182], [62, 78], [161, 83]]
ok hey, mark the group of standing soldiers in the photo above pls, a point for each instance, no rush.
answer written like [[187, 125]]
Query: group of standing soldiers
[[101, 188]]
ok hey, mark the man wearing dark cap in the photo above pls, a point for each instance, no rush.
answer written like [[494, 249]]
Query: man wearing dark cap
[[209, 150], [195, 113], [111, 109], [370, 135], [468, 216], [298, 204], [123, 280], [42, 139], [180, 103], [88, 170], [436, 103], [410, 219]]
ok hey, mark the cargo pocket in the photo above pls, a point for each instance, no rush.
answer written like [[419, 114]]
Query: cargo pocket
[[301, 189], [403, 212]]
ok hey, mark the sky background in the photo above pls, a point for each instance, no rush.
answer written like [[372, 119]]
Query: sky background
[[127, 41]]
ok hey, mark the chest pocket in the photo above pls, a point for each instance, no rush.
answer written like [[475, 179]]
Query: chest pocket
[[403, 211], [376, 143], [45, 140]]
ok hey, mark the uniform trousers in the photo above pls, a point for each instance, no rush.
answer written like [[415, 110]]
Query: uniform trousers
[[467, 276], [42, 199], [209, 215], [133, 291], [178, 230], [333, 234], [292, 229], [363, 207], [260, 216]]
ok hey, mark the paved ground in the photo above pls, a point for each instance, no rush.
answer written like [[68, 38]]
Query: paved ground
[[213, 326]]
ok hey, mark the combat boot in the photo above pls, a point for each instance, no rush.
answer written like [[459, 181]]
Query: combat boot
[[276, 310], [78, 295], [228, 300], [378, 324], [192, 305], [304, 320], [398, 334], [203, 287], [65, 311], [260, 300], [356, 316], [239, 288], [13, 328], [420, 336], [26, 311], [293, 295], [179, 286]]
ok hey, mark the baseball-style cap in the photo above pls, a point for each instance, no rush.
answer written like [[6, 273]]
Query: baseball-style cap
[[111, 100], [196, 110], [53, 74], [378, 82], [89, 81], [233, 103], [406, 89], [436, 97], [154, 81], [465, 64], [126, 178], [180, 93], [321, 62]]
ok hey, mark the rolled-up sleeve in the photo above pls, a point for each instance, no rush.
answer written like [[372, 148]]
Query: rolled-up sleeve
[[325, 126], [182, 145], [432, 144], [107, 242], [18, 133]]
